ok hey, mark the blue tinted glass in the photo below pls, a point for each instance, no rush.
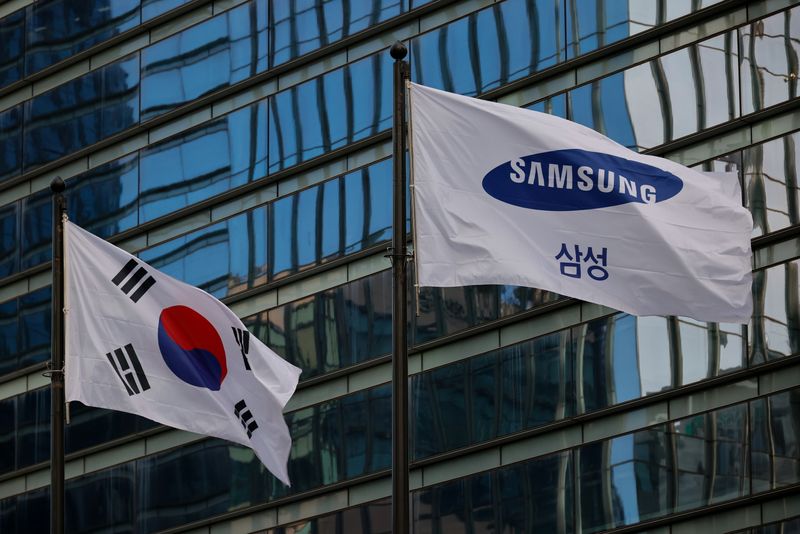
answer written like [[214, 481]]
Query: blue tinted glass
[[104, 200], [448, 310], [632, 474], [532, 496], [92, 426], [58, 29], [81, 112], [8, 425], [300, 26], [101, 502], [678, 94], [214, 54], [221, 259], [33, 427], [34, 327], [490, 47], [331, 329], [154, 8], [775, 440], [9, 336], [367, 206], [9, 239], [331, 111], [26, 513], [12, 35], [555, 105], [10, 142], [203, 162], [775, 329], [37, 229], [523, 386]]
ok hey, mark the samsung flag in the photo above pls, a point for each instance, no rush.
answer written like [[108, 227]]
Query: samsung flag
[[141, 342], [505, 195]]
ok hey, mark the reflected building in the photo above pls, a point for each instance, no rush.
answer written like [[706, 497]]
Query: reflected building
[[244, 147]]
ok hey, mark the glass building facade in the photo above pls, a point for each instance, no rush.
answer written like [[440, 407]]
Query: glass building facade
[[244, 147]]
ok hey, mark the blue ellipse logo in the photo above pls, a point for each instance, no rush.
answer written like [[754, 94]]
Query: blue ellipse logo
[[573, 179]]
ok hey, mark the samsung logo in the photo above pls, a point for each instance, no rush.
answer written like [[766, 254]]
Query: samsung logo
[[569, 180]]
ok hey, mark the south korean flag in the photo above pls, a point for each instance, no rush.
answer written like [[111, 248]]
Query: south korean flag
[[142, 342]]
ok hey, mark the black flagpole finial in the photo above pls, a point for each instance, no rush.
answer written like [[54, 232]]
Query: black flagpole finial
[[398, 51], [57, 185]]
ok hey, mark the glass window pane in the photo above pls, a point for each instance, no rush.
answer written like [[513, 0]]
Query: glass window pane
[[321, 114], [211, 55], [299, 26], [81, 112], [771, 172], [12, 35], [769, 60], [491, 47], [10, 142], [206, 161], [58, 29], [153, 8], [222, 259], [775, 327], [9, 239], [775, 440], [678, 94]]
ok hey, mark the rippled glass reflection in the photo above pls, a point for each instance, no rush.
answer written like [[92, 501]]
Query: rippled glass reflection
[[676, 95], [490, 47], [770, 49], [593, 24], [58, 29], [300, 26], [81, 112], [532, 496], [25, 324], [211, 55], [222, 259], [370, 518], [12, 35], [9, 239], [775, 440], [221, 155], [10, 142], [771, 172], [330, 111], [522, 386], [775, 327]]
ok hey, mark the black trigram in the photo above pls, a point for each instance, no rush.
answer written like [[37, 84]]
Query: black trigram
[[126, 366], [140, 273], [243, 340], [243, 413]]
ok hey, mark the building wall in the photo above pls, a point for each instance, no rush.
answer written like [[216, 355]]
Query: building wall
[[244, 147]]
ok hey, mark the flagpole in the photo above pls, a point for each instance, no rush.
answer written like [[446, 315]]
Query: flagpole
[[400, 495], [56, 369]]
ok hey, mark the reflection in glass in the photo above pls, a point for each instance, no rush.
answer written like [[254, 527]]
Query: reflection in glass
[[153, 8], [58, 29], [371, 518], [102, 502], [775, 440], [222, 259], [678, 94], [10, 142], [504, 391], [554, 105], [711, 458], [625, 480], [771, 172], [12, 35], [769, 66], [489, 48], [217, 157], [333, 329], [330, 111], [25, 328], [298, 27], [211, 55], [775, 327], [531, 496], [81, 112], [9, 239], [26, 513], [593, 24]]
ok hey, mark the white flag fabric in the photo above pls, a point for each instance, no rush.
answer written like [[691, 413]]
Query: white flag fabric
[[505, 195], [142, 342]]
